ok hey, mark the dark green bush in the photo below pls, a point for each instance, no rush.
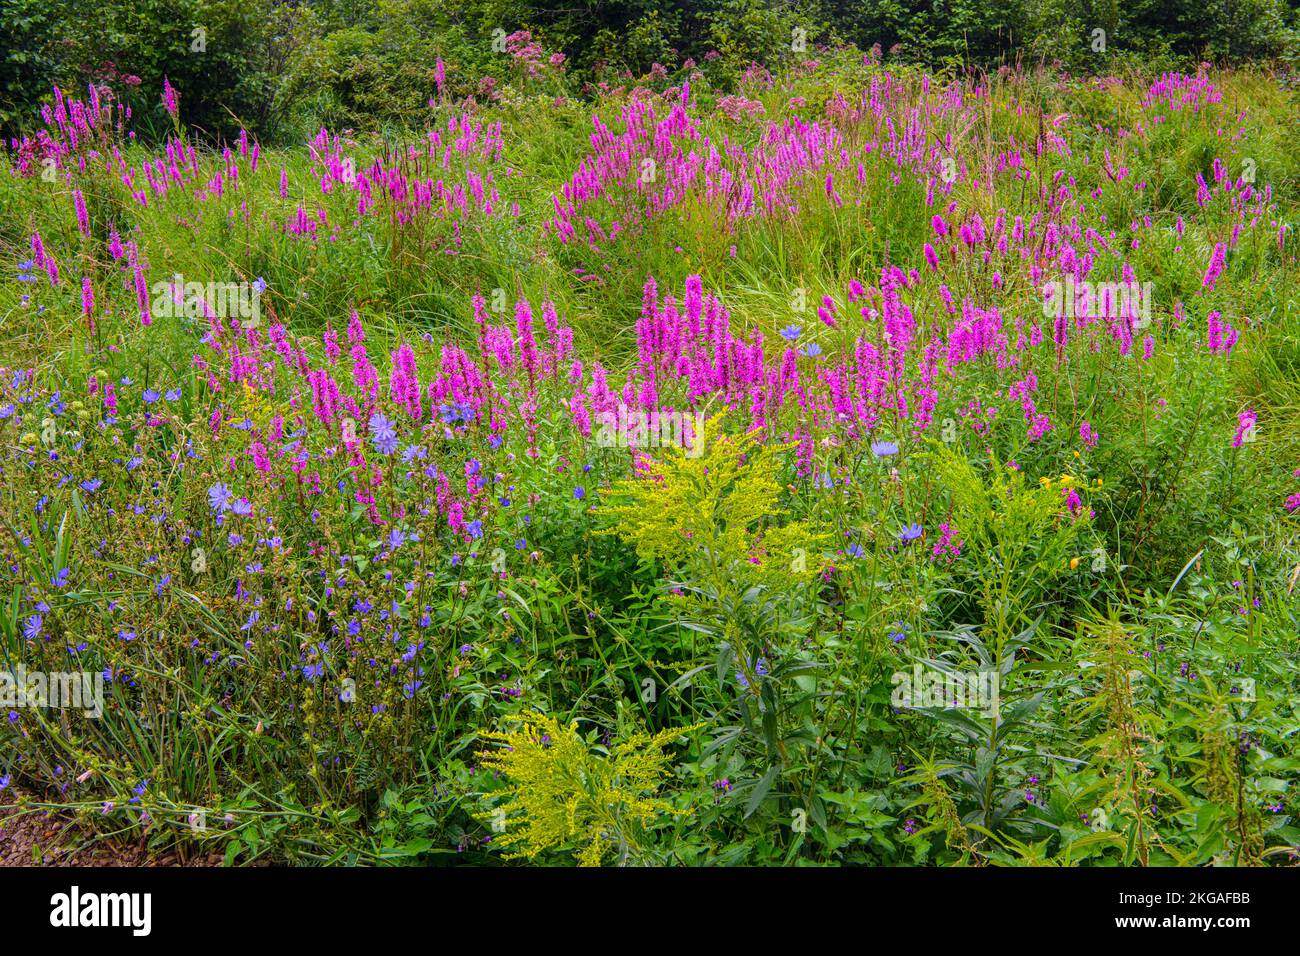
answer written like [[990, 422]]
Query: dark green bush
[[285, 67]]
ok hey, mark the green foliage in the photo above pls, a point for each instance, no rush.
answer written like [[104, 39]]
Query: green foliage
[[286, 68], [755, 597]]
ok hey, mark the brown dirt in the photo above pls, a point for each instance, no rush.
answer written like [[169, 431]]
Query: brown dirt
[[49, 838]]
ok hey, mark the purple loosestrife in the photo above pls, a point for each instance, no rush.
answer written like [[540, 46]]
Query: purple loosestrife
[[171, 99], [931, 257], [1215, 269], [1245, 428], [88, 302], [83, 217]]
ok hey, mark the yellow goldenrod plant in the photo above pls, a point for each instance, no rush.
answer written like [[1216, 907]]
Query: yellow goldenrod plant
[[564, 795], [718, 512], [743, 571]]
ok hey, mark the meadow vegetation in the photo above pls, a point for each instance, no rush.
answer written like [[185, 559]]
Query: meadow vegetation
[[842, 462]]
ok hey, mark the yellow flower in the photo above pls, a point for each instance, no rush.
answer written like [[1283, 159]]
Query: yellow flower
[[723, 502], [562, 795]]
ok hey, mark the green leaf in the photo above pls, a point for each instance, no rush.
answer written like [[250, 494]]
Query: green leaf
[[760, 791]]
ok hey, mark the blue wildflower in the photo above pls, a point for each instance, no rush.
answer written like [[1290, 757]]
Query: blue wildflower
[[382, 434], [219, 498], [759, 668]]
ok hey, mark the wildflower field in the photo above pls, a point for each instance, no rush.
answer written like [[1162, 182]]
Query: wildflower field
[[856, 463]]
